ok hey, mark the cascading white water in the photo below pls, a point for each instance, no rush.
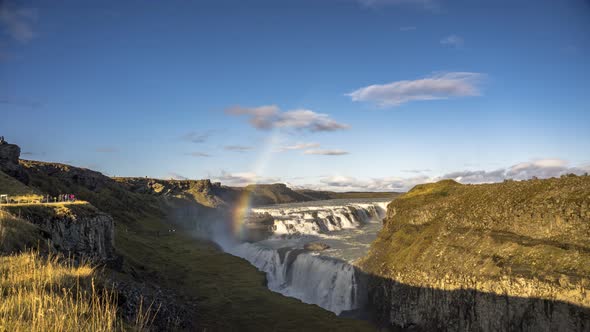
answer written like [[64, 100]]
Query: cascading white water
[[328, 280], [322, 219], [329, 283]]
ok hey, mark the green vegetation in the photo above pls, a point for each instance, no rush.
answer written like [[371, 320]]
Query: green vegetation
[[228, 293], [16, 190], [536, 230], [17, 234], [51, 210]]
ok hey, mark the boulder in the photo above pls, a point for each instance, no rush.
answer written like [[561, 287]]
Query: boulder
[[316, 246]]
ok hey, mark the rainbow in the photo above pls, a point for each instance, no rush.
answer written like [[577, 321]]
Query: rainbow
[[244, 202], [240, 212]]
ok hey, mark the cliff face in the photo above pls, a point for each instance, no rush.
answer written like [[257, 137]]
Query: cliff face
[[508, 256], [78, 229], [203, 192], [9, 161]]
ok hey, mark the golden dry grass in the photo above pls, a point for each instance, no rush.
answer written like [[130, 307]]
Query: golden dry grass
[[52, 294], [48, 295]]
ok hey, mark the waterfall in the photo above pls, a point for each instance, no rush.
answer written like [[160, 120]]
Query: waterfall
[[329, 283], [322, 219]]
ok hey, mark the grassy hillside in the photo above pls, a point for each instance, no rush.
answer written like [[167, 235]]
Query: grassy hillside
[[447, 235], [16, 234], [16, 190]]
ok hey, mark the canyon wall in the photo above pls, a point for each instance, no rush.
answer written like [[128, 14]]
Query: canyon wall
[[77, 229], [507, 256]]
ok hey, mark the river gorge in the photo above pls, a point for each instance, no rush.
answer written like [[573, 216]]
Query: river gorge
[[343, 228]]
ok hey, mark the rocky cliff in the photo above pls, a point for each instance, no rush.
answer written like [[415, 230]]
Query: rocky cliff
[[511, 256], [9, 161], [77, 229]]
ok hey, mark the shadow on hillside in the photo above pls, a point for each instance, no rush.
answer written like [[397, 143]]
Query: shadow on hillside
[[399, 307]]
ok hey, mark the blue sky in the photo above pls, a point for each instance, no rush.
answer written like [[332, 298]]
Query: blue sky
[[333, 94]]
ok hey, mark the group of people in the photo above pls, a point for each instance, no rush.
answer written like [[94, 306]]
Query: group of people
[[66, 198]]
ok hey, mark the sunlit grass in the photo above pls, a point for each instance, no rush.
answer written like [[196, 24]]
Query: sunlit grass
[[53, 294], [48, 295]]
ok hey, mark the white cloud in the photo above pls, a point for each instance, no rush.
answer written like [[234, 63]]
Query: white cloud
[[262, 117], [477, 176], [243, 178], [542, 168], [453, 41], [326, 152], [238, 148], [425, 170], [270, 116], [198, 154], [438, 86], [345, 183], [310, 120], [18, 22], [177, 176], [298, 146]]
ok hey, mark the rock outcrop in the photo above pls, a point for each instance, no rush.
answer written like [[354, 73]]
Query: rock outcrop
[[77, 229], [511, 256], [316, 246], [9, 162]]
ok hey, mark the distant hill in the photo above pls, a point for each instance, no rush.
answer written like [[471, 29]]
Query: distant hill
[[497, 252], [321, 195]]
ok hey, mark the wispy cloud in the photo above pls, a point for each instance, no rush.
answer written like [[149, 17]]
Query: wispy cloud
[[326, 152], [298, 146], [196, 137], [198, 154], [238, 148], [437, 86], [243, 178], [542, 168], [106, 149], [261, 117], [18, 22], [29, 153], [177, 176], [425, 170], [453, 41], [346, 183], [309, 120], [270, 116]]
